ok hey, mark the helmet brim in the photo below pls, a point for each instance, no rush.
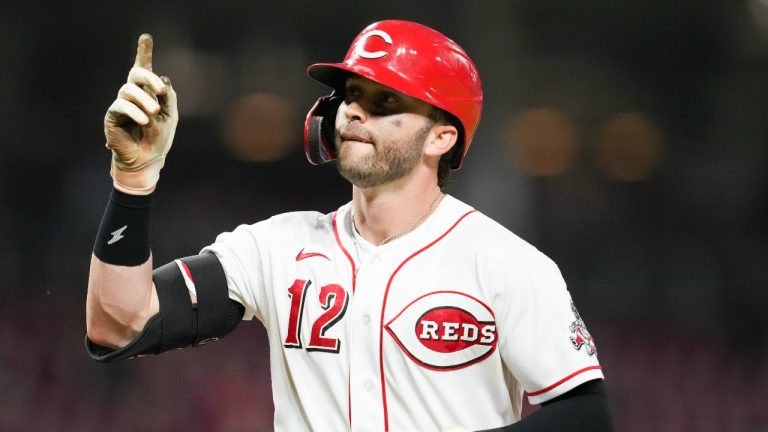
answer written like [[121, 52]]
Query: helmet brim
[[333, 75]]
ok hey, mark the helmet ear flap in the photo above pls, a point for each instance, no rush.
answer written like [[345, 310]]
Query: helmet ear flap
[[319, 129]]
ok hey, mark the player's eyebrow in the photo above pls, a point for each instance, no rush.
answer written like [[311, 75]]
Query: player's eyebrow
[[375, 92]]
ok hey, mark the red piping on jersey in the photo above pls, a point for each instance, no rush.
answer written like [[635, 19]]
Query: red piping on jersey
[[384, 307], [354, 279], [578, 372], [343, 249]]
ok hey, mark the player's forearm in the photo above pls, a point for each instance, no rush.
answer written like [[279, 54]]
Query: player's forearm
[[120, 291], [120, 300], [139, 127]]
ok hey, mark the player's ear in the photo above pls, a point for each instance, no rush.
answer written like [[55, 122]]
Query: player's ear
[[441, 139]]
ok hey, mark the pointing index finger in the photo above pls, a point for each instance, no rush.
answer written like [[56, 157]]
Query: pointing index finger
[[144, 52]]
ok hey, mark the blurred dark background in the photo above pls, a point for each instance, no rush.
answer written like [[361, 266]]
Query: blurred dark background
[[625, 139]]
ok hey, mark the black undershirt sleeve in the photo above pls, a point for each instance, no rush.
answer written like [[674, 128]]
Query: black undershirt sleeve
[[581, 409]]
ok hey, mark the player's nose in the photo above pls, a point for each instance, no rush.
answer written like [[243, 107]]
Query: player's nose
[[354, 111]]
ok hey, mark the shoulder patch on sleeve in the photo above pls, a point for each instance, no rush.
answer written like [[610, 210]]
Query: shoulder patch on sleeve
[[580, 335]]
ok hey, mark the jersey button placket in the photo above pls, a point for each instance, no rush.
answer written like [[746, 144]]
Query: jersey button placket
[[365, 395]]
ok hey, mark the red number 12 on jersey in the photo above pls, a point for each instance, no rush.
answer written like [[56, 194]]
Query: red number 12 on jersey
[[333, 299]]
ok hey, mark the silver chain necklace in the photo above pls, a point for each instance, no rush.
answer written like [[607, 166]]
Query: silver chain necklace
[[408, 228]]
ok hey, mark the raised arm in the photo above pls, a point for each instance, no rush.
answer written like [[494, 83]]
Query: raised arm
[[132, 309], [139, 128]]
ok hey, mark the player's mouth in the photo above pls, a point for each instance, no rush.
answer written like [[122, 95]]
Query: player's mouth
[[354, 136]]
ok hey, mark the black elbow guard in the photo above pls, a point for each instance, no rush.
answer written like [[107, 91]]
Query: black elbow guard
[[180, 323]]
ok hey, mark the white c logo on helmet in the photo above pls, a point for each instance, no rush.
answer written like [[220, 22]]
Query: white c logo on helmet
[[362, 52]]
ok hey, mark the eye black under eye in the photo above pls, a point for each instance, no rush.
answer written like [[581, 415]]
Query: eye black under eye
[[388, 98]]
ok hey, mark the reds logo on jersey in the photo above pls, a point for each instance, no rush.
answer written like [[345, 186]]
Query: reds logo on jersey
[[445, 330]]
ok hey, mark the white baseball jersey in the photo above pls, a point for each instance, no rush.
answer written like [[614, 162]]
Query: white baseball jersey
[[444, 327]]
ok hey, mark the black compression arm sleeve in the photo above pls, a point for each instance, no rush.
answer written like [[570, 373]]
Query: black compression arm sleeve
[[584, 409]]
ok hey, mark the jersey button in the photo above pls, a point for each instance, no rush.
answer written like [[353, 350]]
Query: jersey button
[[366, 319], [375, 259], [368, 385]]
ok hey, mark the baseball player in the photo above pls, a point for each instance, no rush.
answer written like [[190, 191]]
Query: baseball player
[[404, 310]]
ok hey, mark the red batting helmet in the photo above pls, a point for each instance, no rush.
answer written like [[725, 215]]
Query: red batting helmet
[[410, 58]]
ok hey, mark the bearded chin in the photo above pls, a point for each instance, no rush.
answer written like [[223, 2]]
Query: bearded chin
[[364, 171], [388, 162]]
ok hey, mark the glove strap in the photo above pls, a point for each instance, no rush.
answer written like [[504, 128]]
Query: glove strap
[[140, 182]]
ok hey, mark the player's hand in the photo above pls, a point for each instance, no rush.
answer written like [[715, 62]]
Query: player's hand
[[140, 124]]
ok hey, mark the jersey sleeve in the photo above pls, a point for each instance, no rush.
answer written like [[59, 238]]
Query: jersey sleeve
[[241, 257], [542, 339]]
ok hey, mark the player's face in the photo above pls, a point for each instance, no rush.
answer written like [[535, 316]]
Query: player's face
[[380, 133]]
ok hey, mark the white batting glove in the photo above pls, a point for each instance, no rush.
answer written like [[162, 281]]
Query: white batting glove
[[140, 124]]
